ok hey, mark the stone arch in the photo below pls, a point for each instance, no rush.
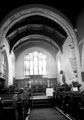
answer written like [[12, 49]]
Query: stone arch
[[47, 12], [41, 10]]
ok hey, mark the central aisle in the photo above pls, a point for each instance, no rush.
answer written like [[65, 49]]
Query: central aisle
[[46, 114]]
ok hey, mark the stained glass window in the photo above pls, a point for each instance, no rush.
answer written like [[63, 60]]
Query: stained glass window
[[35, 64]]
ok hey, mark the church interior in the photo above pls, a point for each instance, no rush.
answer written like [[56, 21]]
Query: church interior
[[41, 64]]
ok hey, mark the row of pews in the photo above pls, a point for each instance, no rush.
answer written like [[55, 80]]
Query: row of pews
[[14, 106], [70, 102]]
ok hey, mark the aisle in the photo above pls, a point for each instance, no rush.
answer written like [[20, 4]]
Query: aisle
[[46, 114]]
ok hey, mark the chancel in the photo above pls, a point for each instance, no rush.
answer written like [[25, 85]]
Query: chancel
[[41, 65]]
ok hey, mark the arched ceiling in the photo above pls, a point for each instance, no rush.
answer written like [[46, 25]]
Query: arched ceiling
[[36, 25]]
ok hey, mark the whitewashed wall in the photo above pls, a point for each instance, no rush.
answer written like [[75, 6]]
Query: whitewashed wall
[[51, 63], [64, 58]]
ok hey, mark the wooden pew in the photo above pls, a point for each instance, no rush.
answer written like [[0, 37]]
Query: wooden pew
[[14, 106], [6, 107], [74, 104], [58, 97], [67, 101]]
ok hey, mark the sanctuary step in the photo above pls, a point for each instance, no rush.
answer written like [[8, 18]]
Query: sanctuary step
[[41, 101]]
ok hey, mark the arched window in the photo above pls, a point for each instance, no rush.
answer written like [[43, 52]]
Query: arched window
[[35, 64]]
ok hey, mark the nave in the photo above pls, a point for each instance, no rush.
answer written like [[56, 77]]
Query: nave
[[24, 105], [41, 65]]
